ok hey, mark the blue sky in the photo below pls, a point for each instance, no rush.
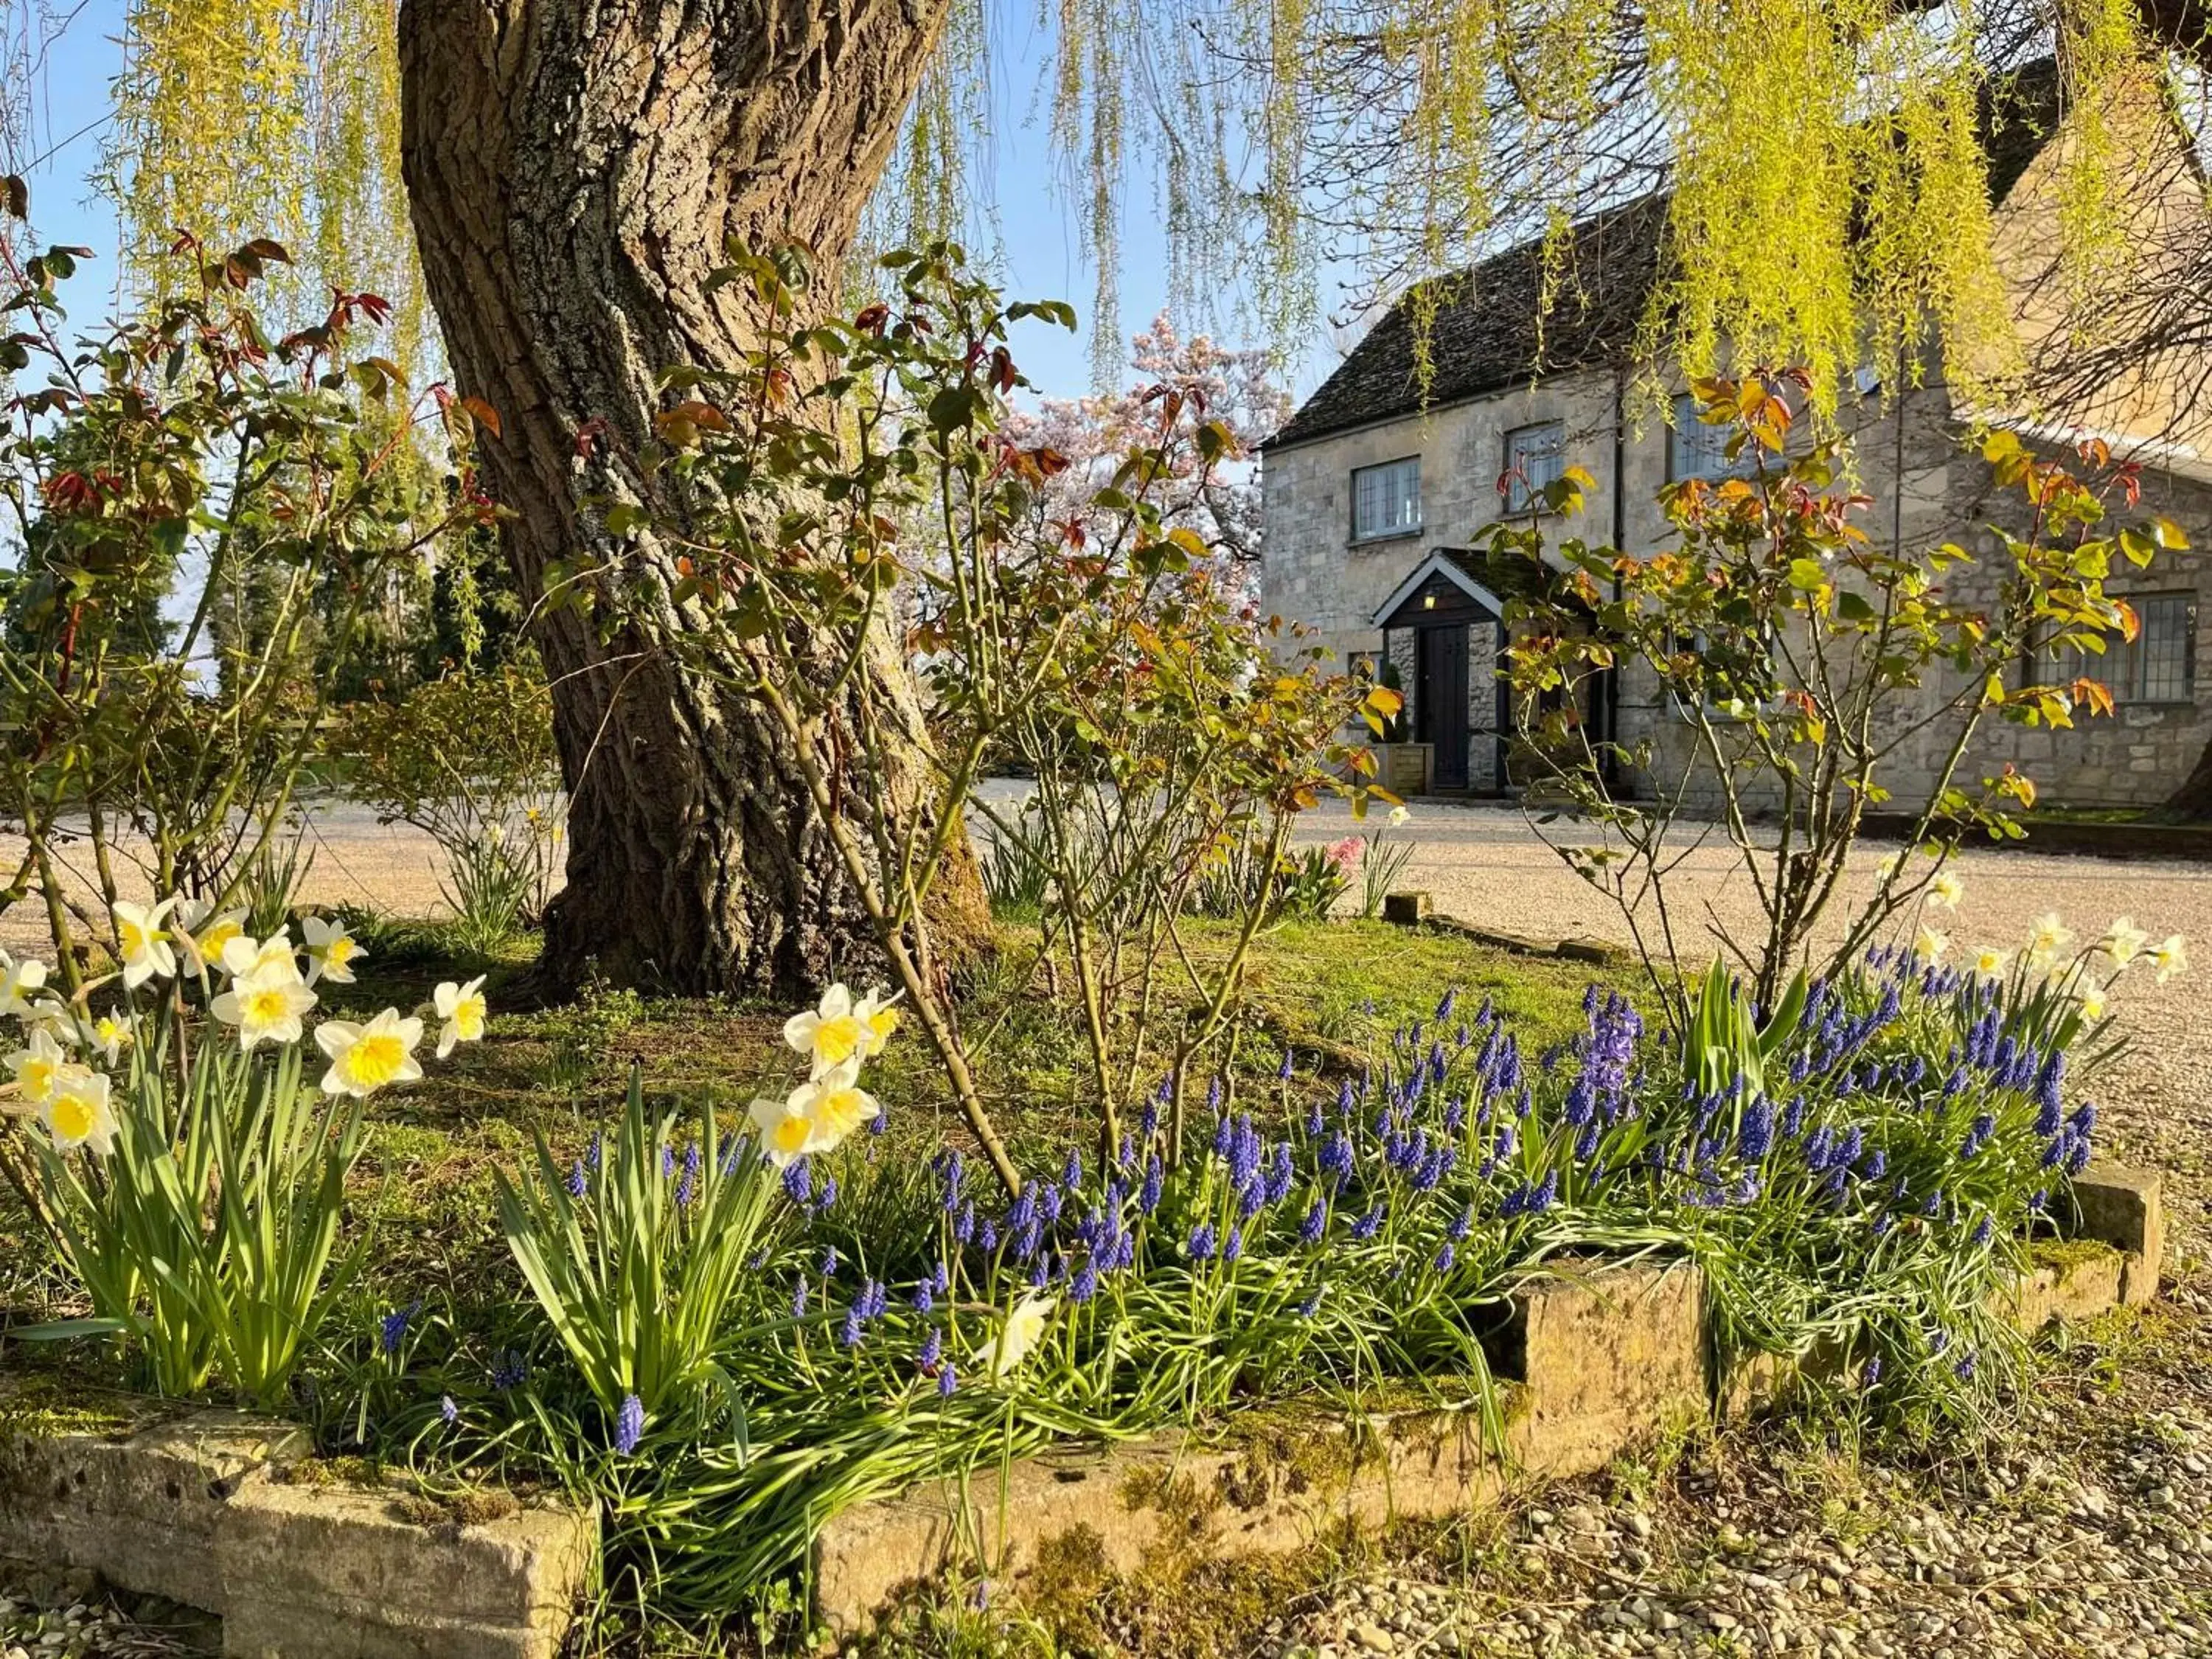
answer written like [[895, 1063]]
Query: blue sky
[[1040, 247]]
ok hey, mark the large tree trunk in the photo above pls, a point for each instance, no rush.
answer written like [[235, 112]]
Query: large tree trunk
[[574, 169]]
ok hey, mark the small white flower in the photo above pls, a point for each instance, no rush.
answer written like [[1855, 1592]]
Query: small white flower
[[1990, 962], [1946, 890], [461, 1012], [266, 1003], [331, 951], [836, 1103], [144, 947], [111, 1036], [1019, 1334], [202, 933], [2170, 957], [17, 980], [38, 1068], [879, 1015], [55, 1017], [2090, 998], [79, 1112], [1399, 818], [2122, 941], [1931, 944], [367, 1058]]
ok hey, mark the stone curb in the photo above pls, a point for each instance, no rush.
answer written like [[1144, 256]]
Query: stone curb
[[192, 1507], [1594, 1358]]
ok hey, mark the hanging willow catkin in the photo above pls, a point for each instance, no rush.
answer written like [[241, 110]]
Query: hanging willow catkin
[[1827, 161]]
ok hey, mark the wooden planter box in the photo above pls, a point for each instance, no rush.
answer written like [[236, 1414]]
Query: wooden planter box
[[1406, 769]]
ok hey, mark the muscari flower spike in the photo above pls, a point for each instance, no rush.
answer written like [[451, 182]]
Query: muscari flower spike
[[629, 1425]]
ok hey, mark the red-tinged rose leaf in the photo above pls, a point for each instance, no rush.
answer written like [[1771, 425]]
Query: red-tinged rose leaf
[[485, 416]]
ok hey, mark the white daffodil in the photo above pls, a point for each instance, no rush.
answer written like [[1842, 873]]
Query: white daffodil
[[1989, 963], [110, 1037], [266, 1005], [829, 1034], [202, 933], [2122, 941], [879, 1015], [55, 1017], [786, 1130], [144, 947], [1930, 943], [17, 980], [1946, 890], [243, 955], [38, 1068], [836, 1104], [367, 1058], [1019, 1334], [331, 951], [2090, 998], [2170, 957], [79, 1112], [461, 1013], [2046, 936]]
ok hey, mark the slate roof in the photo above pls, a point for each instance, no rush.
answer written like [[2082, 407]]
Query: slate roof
[[1486, 332]]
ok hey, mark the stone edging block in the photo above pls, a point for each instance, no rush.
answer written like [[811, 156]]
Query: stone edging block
[[192, 1507], [2125, 1209], [1590, 1355]]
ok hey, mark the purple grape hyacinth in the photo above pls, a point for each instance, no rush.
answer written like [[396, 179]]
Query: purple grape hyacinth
[[629, 1425]]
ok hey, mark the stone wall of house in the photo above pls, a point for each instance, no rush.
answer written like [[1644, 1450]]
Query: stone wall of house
[[1315, 573], [1927, 490], [2134, 758]]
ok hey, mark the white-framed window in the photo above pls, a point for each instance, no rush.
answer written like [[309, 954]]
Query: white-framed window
[[1695, 450], [1386, 500], [1535, 456], [2159, 664]]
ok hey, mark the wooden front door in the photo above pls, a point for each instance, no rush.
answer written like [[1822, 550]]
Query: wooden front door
[[1440, 700]]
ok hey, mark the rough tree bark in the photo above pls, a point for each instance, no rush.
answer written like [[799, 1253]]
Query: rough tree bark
[[574, 169]]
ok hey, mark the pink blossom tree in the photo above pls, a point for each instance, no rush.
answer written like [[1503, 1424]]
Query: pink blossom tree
[[1180, 384]]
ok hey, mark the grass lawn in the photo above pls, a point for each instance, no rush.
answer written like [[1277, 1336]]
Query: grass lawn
[[1329, 990]]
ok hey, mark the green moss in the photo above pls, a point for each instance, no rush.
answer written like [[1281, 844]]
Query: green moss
[[1070, 1570], [459, 1509], [325, 1472], [44, 1408], [2067, 1255]]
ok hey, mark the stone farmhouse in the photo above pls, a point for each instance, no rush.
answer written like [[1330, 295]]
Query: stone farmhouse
[[1376, 489]]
